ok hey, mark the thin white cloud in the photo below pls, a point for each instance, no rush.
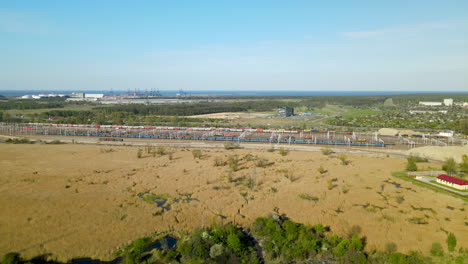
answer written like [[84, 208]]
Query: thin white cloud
[[12, 21], [397, 30]]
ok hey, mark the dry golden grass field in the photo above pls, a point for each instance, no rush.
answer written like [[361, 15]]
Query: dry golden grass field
[[74, 200]]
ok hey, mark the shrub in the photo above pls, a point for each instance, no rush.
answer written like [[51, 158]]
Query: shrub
[[330, 184], [11, 258], [197, 154], [216, 250], [272, 149], [436, 249], [308, 197], [464, 164], [321, 170], [107, 150], [390, 247], [56, 142], [283, 152], [231, 145], [411, 165], [160, 151], [451, 242], [344, 159], [19, 141], [400, 199], [219, 162], [327, 151], [341, 249], [420, 159], [233, 162], [262, 163], [139, 153]]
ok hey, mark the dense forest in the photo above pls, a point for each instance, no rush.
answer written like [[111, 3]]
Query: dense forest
[[274, 239]]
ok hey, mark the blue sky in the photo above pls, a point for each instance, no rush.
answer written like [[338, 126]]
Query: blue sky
[[234, 45]]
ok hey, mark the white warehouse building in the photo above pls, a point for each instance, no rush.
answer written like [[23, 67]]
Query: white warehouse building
[[86, 95], [431, 103]]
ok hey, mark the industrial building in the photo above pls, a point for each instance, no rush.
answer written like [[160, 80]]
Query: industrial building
[[431, 103], [285, 111], [452, 182], [446, 102]]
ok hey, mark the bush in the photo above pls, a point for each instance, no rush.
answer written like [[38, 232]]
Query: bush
[[56, 142], [344, 159], [308, 197], [327, 151], [400, 199], [139, 153], [420, 159], [411, 165], [283, 152], [451, 242], [464, 164], [436, 249], [262, 163], [321, 170], [231, 145], [197, 154], [219, 162], [160, 151], [19, 141], [233, 162], [217, 250], [11, 258], [341, 249], [390, 247]]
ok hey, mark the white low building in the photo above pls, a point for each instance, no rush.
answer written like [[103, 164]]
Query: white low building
[[431, 103], [452, 182], [445, 134], [448, 102], [98, 96]]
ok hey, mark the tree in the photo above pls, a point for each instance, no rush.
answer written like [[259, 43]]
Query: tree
[[450, 166], [234, 243], [436, 249], [341, 249], [11, 258], [411, 165], [451, 242], [464, 164], [5, 116]]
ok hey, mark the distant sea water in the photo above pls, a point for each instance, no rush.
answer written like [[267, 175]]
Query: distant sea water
[[225, 93]]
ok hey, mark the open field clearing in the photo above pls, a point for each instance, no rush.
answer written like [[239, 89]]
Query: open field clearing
[[75, 200]]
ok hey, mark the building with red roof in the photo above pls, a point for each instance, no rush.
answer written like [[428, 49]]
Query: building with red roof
[[452, 182]]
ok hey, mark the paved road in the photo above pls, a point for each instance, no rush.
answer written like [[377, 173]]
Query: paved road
[[429, 179]]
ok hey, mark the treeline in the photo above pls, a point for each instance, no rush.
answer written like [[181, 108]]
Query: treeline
[[269, 240], [187, 109], [30, 104]]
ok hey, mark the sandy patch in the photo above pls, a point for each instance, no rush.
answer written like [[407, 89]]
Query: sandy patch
[[441, 153], [231, 115]]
